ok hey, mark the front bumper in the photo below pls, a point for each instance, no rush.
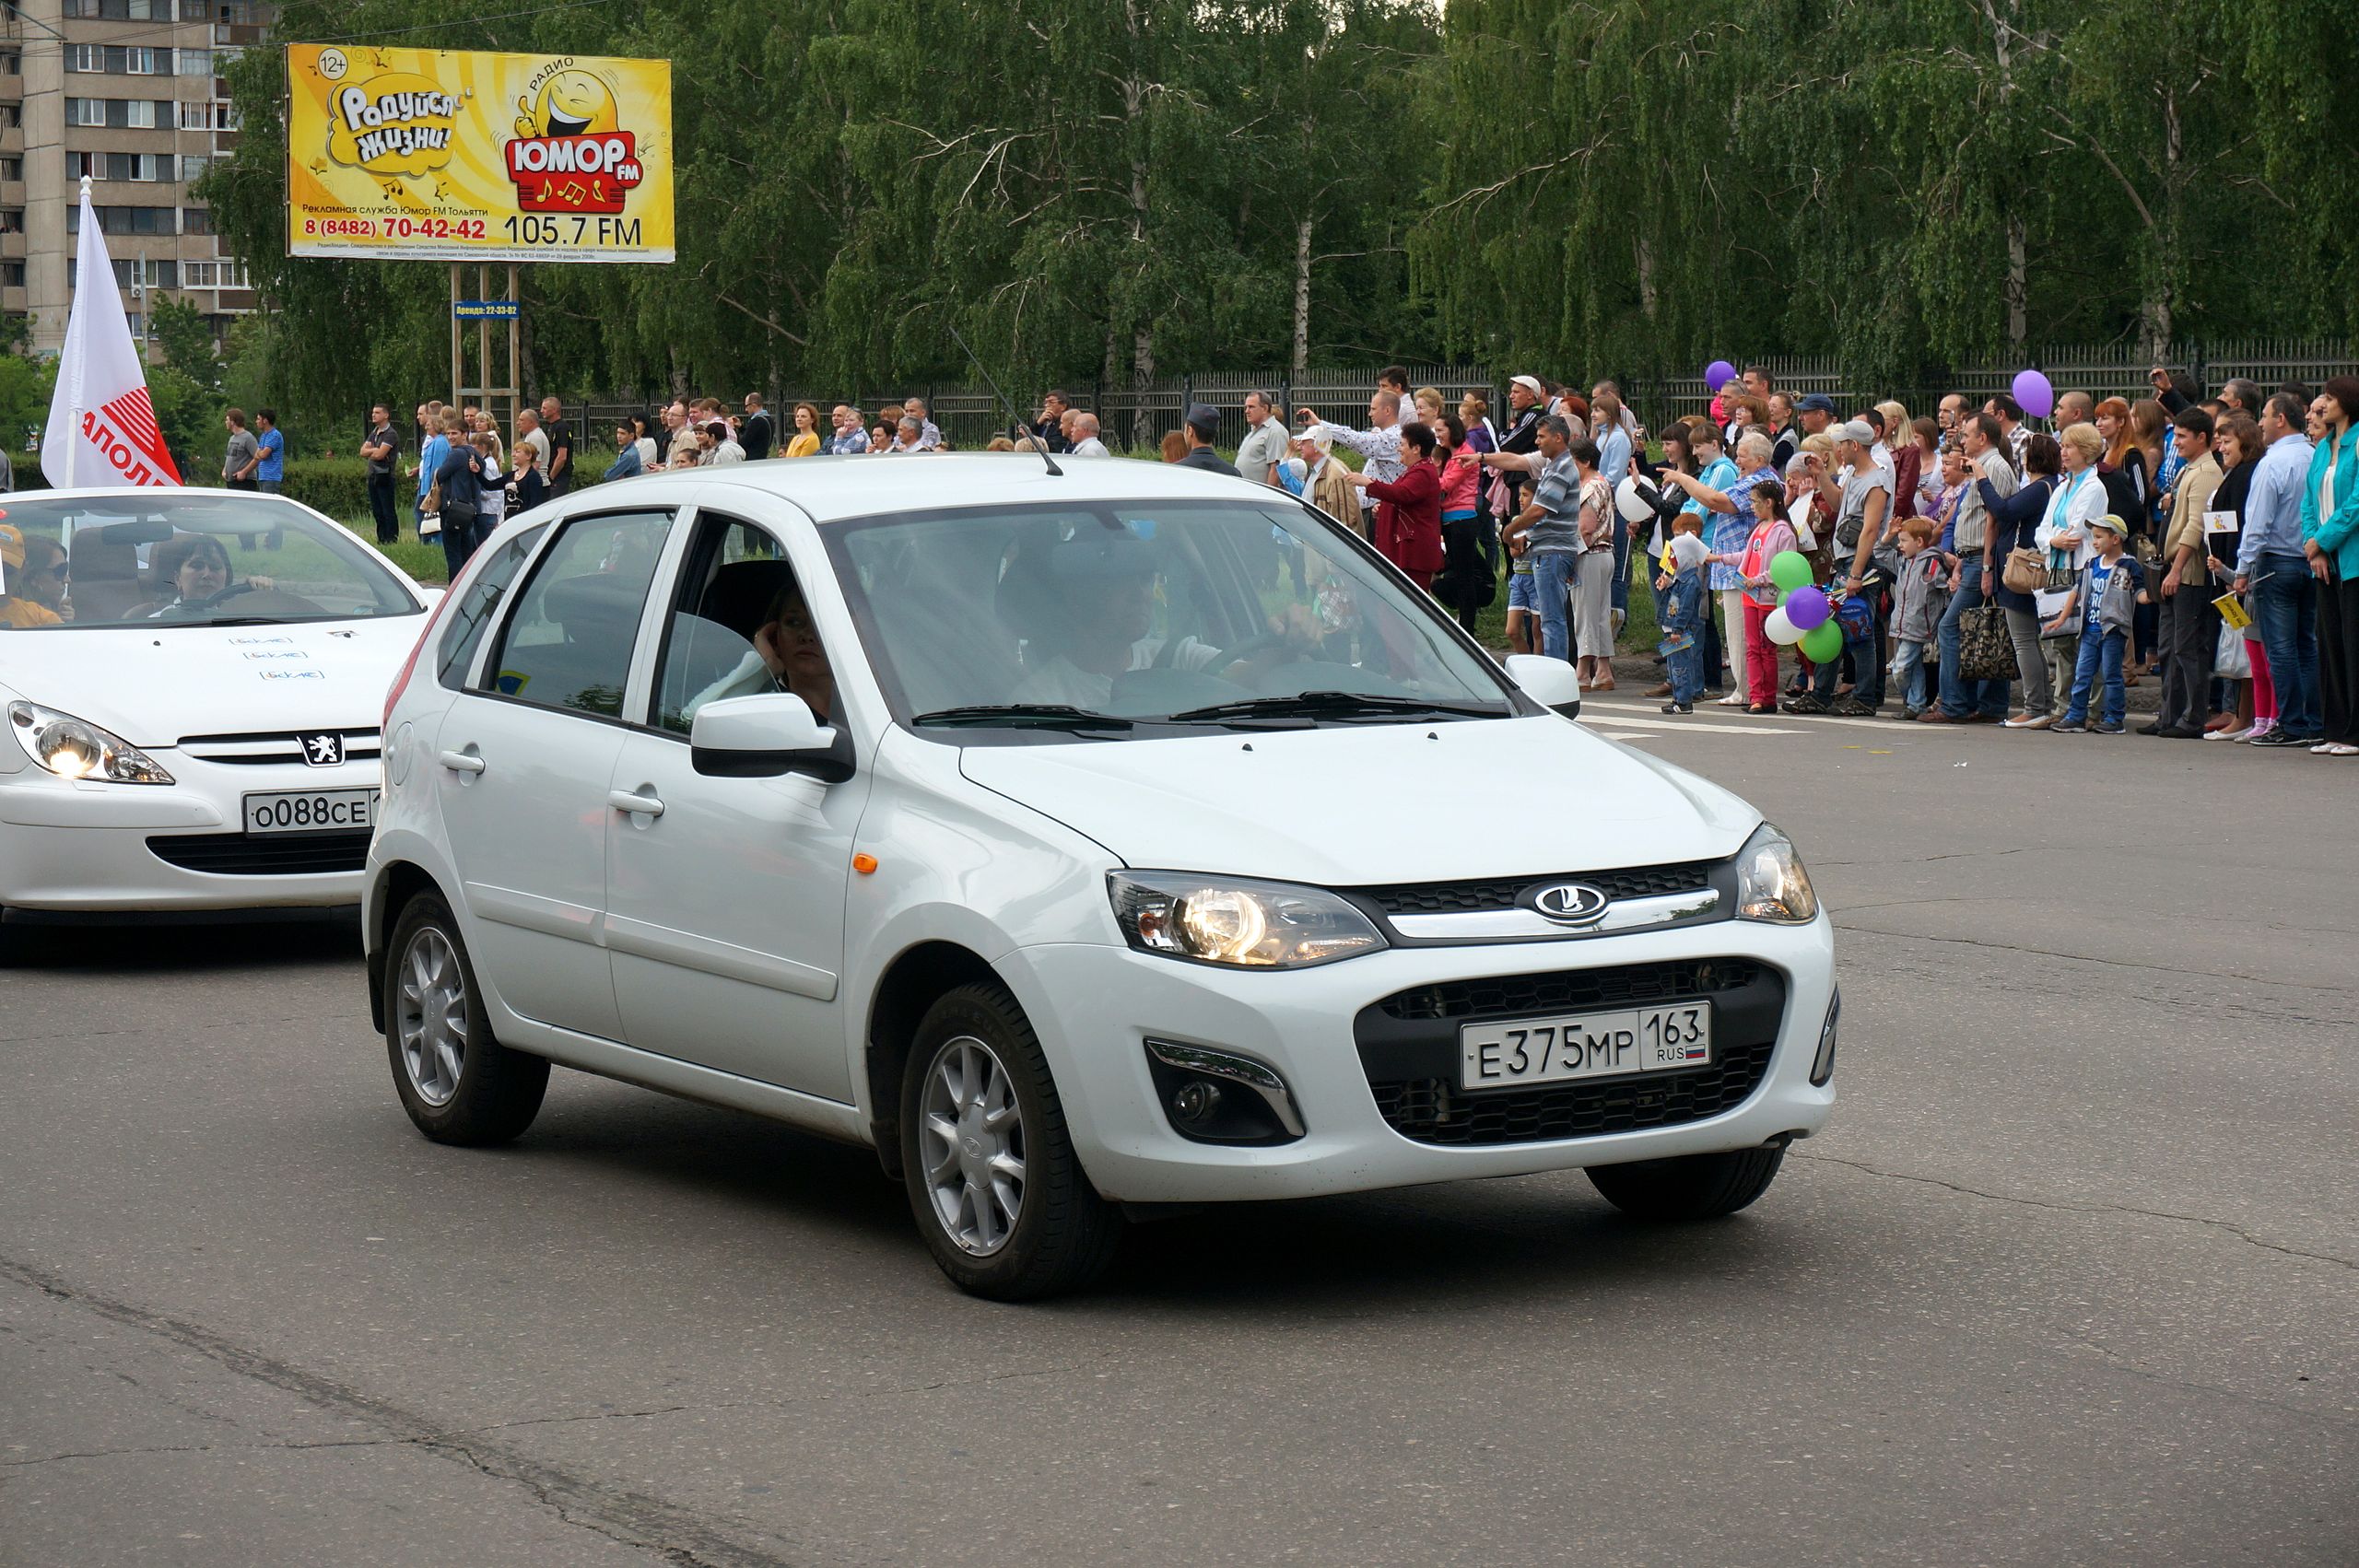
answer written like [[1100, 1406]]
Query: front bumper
[[71, 846], [1308, 1025]]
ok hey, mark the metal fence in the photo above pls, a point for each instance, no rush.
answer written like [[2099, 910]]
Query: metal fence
[[1134, 417]]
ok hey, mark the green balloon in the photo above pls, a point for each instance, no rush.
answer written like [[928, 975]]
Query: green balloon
[[1823, 642], [1790, 569]]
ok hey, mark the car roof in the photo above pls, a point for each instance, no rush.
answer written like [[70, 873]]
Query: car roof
[[834, 488]]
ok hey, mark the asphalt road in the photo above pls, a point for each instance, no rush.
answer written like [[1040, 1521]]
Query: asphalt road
[[2074, 1277]]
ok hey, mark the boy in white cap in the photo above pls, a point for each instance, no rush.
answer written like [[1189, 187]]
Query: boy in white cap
[[2103, 601]]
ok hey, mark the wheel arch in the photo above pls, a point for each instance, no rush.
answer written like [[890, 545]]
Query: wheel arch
[[397, 883], [910, 985]]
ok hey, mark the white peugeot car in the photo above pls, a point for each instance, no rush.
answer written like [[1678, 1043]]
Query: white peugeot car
[[1084, 842], [201, 733]]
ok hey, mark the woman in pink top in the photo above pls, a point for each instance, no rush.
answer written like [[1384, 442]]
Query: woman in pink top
[[1771, 533]]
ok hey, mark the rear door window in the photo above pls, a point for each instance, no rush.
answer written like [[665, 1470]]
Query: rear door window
[[567, 643]]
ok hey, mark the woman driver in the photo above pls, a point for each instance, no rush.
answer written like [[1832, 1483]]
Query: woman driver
[[201, 572], [786, 657]]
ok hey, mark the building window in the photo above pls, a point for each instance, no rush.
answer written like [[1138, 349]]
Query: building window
[[193, 168], [86, 111], [196, 220], [12, 168], [124, 220], [12, 219], [193, 62], [12, 64], [12, 114], [89, 57], [217, 115], [146, 272], [12, 274]]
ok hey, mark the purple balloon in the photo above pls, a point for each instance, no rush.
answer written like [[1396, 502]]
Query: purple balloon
[[1719, 373], [1807, 608], [2032, 391]]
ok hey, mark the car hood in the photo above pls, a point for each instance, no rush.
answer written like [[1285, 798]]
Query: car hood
[[152, 685], [1358, 806]]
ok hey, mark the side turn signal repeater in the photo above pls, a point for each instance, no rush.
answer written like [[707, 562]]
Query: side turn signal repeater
[[864, 863]]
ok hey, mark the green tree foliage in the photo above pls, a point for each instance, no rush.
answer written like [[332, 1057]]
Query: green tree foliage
[[178, 328], [1118, 190]]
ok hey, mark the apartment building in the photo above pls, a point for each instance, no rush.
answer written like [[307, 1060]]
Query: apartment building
[[128, 92]]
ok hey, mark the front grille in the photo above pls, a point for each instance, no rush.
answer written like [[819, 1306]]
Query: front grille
[[1569, 991], [271, 750], [1502, 893], [1408, 1046], [234, 854]]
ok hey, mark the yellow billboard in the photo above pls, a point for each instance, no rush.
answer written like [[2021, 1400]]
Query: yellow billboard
[[441, 156]]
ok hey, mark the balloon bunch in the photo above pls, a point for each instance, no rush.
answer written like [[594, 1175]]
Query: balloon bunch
[[1804, 617]]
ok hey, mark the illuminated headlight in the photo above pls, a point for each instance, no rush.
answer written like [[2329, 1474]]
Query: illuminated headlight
[[1232, 921], [1770, 881], [76, 748]]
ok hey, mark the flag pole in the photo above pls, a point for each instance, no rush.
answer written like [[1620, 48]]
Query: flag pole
[[69, 364]]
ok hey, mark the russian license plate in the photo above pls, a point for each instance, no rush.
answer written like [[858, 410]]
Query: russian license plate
[[1588, 1044], [312, 811]]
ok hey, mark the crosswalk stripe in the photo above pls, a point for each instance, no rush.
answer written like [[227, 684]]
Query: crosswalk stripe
[[1687, 722], [1737, 718]]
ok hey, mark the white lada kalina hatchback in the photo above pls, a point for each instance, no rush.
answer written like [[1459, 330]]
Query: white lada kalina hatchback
[[1082, 841]]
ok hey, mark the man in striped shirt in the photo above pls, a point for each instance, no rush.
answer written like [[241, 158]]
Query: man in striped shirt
[[1549, 531]]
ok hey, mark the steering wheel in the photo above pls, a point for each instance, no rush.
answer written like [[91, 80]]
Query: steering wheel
[[228, 593]]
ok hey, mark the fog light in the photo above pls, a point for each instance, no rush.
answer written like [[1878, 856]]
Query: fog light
[[1822, 1066], [1196, 1102], [1214, 1096]]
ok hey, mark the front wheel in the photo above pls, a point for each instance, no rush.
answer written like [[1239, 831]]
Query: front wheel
[[1692, 1186], [458, 1084], [992, 1177]]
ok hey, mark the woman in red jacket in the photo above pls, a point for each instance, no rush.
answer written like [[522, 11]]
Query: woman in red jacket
[[1408, 517]]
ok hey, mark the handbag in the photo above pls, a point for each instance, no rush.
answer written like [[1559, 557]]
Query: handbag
[[1985, 651], [2230, 660], [2025, 571]]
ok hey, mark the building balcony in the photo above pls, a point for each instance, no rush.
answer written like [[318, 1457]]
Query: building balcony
[[12, 245], [13, 298]]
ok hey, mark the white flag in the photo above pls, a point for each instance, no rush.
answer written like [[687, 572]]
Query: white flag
[[102, 424]]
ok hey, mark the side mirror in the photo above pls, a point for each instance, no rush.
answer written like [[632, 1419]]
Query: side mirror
[[764, 736], [1551, 682]]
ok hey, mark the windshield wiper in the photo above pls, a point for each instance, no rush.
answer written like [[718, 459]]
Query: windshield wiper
[[1023, 715], [1338, 705]]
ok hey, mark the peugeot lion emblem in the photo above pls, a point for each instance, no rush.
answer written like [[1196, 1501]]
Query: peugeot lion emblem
[[323, 750], [1571, 903]]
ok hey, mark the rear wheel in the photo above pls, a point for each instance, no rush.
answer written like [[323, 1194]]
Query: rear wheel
[[458, 1084], [992, 1179], [1693, 1187]]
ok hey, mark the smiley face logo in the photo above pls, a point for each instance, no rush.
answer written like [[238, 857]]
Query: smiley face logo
[[570, 103]]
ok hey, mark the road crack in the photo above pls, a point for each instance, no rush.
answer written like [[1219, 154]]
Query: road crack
[[2235, 1230], [629, 1519], [2072, 957]]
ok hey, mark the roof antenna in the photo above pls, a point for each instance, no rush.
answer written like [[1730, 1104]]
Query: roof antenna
[[1014, 418]]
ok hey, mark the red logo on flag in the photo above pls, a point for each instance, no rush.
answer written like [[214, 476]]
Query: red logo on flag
[[125, 431]]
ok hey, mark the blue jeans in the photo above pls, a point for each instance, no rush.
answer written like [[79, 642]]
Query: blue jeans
[[1552, 572], [2099, 656], [1959, 696], [2285, 602], [1867, 663], [1908, 674]]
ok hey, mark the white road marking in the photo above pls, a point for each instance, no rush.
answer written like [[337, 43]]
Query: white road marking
[[1687, 722]]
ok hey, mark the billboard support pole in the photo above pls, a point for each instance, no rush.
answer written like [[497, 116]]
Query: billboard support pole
[[515, 361], [458, 343], [482, 345]]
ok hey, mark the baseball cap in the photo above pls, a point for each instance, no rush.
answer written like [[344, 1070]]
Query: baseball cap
[[1529, 383], [2111, 524], [1204, 419], [12, 547], [1816, 403], [1858, 430]]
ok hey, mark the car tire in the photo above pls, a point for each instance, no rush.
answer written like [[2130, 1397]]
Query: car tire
[[458, 1084], [993, 1181], [1693, 1187]]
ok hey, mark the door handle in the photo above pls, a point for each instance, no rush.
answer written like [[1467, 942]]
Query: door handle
[[636, 804], [463, 762]]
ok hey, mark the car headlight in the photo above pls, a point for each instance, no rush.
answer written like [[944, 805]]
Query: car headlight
[[1770, 881], [76, 748], [1236, 921]]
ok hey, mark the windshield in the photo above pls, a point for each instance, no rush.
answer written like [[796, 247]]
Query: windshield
[[1158, 611], [164, 558]]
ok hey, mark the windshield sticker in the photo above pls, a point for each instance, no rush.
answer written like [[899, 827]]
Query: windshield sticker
[[251, 642], [510, 682], [292, 674]]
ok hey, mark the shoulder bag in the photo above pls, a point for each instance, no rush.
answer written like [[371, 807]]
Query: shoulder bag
[[1985, 651]]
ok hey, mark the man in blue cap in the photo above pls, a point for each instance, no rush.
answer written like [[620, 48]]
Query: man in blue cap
[[1203, 424], [1815, 413]]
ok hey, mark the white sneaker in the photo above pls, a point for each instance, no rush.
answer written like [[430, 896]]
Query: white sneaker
[[1734, 699], [2227, 735]]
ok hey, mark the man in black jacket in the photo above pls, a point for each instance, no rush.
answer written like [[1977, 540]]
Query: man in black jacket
[[754, 432]]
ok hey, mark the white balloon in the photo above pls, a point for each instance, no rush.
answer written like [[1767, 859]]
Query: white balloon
[[1635, 499], [1782, 632]]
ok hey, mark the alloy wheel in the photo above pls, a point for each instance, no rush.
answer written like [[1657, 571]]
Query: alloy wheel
[[430, 1016], [971, 1136]]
